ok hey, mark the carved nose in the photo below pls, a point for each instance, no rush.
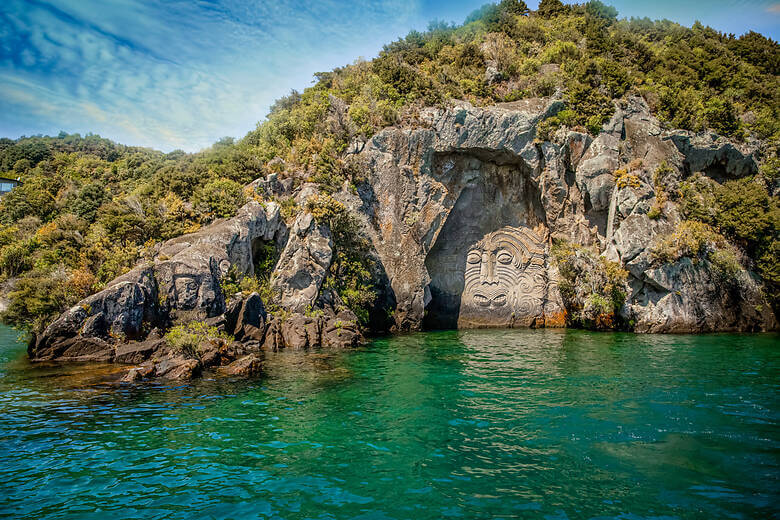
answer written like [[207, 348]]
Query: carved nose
[[488, 268]]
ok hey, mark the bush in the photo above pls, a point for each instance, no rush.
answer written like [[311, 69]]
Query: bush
[[623, 179], [697, 199], [547, 128], [593, 288], [37, 298], [592, 107], [720, 115], [691, 238], [188, 339], [746, 213], [220, 197]]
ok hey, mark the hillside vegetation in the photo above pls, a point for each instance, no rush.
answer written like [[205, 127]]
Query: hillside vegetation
[[89, 208]]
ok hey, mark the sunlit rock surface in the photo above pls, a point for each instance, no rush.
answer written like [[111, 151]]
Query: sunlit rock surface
[[461, 211]]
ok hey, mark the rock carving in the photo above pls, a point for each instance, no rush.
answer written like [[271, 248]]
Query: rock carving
[[504, 280]]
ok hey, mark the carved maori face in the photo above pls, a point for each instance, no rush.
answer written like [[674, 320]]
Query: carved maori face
[[504, 280]]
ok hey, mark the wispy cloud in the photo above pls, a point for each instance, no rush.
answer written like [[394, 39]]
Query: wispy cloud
[[174, 75], [774, 9], [183, 73]]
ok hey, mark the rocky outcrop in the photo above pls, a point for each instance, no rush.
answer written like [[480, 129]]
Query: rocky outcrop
[[687, 295], [249, 365], [435, 195], [181, 284], [461, 211], [304, 264], [245, 318], [301, 331]]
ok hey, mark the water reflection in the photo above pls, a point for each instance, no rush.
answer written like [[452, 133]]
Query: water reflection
[[472, 424]]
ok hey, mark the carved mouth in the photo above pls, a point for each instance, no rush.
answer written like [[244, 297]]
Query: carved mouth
[[498, 300]]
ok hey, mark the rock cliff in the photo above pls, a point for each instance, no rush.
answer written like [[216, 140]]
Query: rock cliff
[[464, 212]]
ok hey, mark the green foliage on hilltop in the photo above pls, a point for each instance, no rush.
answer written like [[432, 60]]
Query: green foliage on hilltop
[[694, 78], [89, 208]]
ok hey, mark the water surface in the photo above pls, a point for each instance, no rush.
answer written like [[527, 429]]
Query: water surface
[[483, 424]]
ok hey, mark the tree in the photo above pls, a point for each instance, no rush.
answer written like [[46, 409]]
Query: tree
[[601, 10], [89, 200], [515, 7], [551, 8], [222, 197]]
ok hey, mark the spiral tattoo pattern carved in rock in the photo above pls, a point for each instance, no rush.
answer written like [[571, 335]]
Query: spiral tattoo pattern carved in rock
[[504, 280]]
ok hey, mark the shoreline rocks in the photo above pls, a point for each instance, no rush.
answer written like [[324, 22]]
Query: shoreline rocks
[[461, 214]]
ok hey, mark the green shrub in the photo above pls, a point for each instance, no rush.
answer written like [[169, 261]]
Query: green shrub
[[697, 199], [745, 212], [220, 197], [593, 288], [38, 297], [547, 128], [660, 180], [188, 339], [691, 238]]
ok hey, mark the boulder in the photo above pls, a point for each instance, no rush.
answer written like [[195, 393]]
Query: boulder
[[245, 319], [177, 367], [246, 366], [139, 373], [137, 351], [341, 334]]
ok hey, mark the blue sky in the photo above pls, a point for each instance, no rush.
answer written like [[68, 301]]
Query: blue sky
[[183, 73]]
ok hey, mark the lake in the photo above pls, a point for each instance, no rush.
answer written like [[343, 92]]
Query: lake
[[471, 424]]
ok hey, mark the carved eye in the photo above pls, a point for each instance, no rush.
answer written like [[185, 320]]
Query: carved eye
[[481, 300], [474, 257], [504, 257]]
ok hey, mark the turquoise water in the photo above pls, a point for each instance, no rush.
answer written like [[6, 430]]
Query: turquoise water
[[484, 424]]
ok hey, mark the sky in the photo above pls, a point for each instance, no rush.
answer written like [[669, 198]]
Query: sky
[[181, 74]]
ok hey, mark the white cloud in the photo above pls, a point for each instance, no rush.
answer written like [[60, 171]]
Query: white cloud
[[180, 74]]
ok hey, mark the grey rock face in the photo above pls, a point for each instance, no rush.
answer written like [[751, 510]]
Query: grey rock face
[[461, 212], [300, 332], [137, 352], [433, 194], [686, 296], [245, 319], [476, 169], [719, 158], [182, 284], [303, 264]]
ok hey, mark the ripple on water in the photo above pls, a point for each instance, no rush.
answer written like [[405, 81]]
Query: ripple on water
[[475, 424]]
